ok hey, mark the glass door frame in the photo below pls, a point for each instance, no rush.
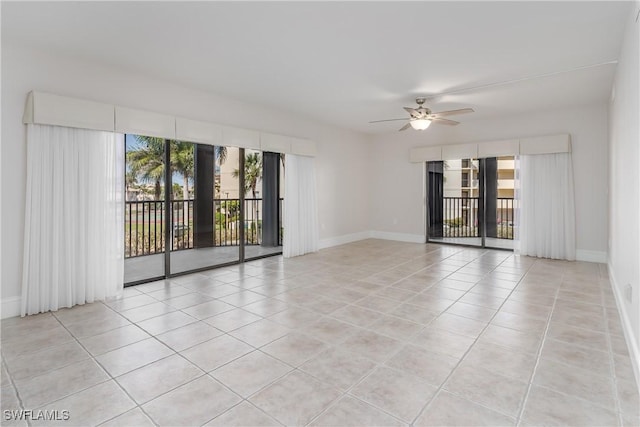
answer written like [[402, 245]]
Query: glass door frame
[[482, 204], [168, 221]]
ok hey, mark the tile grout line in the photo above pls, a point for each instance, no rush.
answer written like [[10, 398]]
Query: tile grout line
[[323, 315], [612, 361], [538, 355], [382, 364], [347, 391], [441, 387]]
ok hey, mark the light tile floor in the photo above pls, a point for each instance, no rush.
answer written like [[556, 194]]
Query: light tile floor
[[370, 333]]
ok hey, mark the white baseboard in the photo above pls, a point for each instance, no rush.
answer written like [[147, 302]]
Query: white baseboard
[[591, 256], [629, 336], [342, 240], [10, 307], [399, 237]]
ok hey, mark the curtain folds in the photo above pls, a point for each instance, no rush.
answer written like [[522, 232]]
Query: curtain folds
[[300, 207], [545, 224], [74, 239]]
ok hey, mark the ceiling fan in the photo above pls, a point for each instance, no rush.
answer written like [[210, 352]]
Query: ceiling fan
[[420, 118]]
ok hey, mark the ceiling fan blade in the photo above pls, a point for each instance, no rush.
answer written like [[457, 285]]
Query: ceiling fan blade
[[453, 112], [412, 111], [387, 120], [405, 127], [444, 121]]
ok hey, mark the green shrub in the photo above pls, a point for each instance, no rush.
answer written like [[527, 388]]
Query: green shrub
[[455, 222]]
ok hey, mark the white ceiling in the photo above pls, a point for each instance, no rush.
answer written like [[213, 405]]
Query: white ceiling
[[346, 63]]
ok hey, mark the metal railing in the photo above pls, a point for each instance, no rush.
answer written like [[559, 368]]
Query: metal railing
[[461, 217], [145, 222], [504, 220]]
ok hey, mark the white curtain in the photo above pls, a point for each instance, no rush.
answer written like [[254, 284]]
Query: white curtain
[[545, 224], [300, 206], [74, 231]]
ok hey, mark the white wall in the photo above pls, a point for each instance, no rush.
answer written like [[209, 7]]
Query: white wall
[[397, 186], [403, 181], [624, 184], [342, 159]]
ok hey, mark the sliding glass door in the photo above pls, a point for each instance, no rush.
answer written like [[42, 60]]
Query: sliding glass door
[[470, 202], [263, 203], [144, 215], [499, 196], [455, 202], [205, 206], [194, 206]]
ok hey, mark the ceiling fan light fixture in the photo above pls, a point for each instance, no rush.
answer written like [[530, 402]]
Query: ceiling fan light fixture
[[420, 124]]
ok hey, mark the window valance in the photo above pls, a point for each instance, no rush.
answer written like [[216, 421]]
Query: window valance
[[548, 144], [49, 109]]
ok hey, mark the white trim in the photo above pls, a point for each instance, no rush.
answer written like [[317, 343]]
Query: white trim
[[10, 307], [50, 109], [344, 239], [548, 144], [425, 154], [630, 338], [591, 256], [399, 237], [532, 145], [303, 147], [460, 151], [142, 122]]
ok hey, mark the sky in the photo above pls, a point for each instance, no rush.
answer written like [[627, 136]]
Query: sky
[[130, 144]]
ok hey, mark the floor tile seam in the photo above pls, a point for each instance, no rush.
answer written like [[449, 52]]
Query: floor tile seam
[[441, 387], [255, 393], [117, 299], [201, 374], [12, 384], [171, 328], [537, 361], [173, 352], [612, 367], [140, 405], [66, 396], [359, 399], [67, 364], [250, 403], [460, 396], [347, 390], [92, 358], [609, 376], [588, 402], [579, 327], [218, 329], [253, 347], [206, 374]]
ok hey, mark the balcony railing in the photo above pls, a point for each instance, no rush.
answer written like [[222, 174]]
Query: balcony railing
[[505, 218], [144, 225], [461, 217]]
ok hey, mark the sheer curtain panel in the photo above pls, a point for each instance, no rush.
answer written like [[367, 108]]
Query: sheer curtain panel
[[546, 225], [300, 207], [74, 231]]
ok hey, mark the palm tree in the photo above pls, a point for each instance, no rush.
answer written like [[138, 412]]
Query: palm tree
[[252, 172], [130, 179], [182, 160], [221, 153], [146, 161]]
